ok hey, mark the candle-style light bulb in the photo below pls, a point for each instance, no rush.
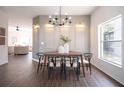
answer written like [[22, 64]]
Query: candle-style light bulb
[[70, 18], [66, 13], [50, 16], [56, 13]]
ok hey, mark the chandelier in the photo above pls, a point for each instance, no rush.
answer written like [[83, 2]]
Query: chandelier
[[59, 20]]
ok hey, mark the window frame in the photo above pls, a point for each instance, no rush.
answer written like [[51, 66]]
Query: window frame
[[100, 41]]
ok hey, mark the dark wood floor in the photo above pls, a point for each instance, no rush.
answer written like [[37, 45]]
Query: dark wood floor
[[21, 72]]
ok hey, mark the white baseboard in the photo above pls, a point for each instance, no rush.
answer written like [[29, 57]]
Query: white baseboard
[[35, 60], [2, 63]]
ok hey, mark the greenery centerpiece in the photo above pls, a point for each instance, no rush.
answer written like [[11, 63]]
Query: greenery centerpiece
[[64, 41]]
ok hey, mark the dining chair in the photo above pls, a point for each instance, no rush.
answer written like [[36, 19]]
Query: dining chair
[[54, 62], [87, 59], [72, 62], [41, 60]]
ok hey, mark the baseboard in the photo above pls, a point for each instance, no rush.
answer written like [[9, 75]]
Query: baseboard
[[108, 75], [35, 60], [4, 63]]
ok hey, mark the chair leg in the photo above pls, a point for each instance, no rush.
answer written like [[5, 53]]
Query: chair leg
[[90, 68], [79, 68], [87, 66], [83, 69], [61, 71], [41, 65], [49, 72], [77, 73], [64, 71], [44, 64], [44, 67], [38, 67]]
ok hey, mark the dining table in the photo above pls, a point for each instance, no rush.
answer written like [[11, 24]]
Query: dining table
[[70, 53]]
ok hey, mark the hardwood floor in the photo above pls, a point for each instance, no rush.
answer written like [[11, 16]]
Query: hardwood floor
[[21, 71]]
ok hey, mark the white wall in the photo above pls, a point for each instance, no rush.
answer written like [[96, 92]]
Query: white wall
[[101, 15], [4, 48], [79, 35]]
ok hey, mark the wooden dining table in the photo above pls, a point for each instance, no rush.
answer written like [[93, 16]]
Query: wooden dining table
[[71, 53]]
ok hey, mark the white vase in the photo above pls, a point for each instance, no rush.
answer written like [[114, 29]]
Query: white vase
[[66, 48], [61, 49]]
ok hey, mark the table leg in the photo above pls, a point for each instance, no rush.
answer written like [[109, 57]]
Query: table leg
[[82, 65], [44, 63]]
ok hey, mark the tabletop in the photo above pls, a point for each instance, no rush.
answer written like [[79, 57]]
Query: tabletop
[[72, 53]]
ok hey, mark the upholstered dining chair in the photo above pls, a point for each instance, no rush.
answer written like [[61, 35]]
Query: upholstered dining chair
[[54, 62], [87, 59]]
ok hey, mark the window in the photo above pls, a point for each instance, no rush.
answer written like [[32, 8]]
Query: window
[[110, 41]]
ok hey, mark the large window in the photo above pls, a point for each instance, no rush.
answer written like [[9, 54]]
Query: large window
[[110, 41]]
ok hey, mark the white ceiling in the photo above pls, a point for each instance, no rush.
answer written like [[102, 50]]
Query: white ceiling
[[22, 15], [33, 11]]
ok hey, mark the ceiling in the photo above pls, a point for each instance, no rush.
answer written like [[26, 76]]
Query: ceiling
[[33, 11], [22, 15]]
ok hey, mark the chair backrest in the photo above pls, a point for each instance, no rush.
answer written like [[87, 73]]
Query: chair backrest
[[51, 59], [54, 59], [87, 56], [40, 55], [75, 59], [72, 60], [67, 58]]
